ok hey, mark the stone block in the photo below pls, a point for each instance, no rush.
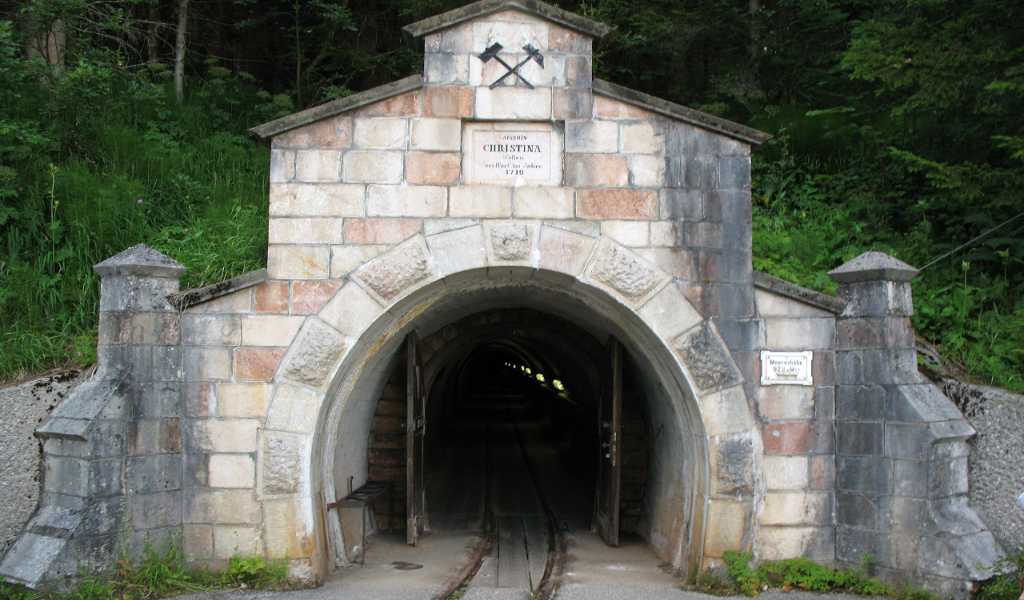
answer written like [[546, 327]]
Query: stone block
[[269, 297], [610, 108], [155, 511], [624, 273], [869, 474], [351, 310], [373, 166], [480, 201], [304, 231], [621, 204], [225, 435], [210, 330], [433, 168], [511, 242], [345, 259], [396, 272], [683, 205], [592, 136], [232, 471], [381, 231], [222, 506], [155, 473], [406, 201], [860, 402], [295, 409], [823, 472], [236, 541], [726, 412], [787, 438], [704, 234], [627, 233], [570, 103], [206, 364], [797, 508], [153, 436], [436, 226], [669, 313], [859, 510], [646, 170], [543, 203], [734, 173], [316, 200], [197, 542], [727, 527], [233, 303], [910, 441], [458, 250], [256, 364], [667, 234], [315, 354], [513, 103], [732, 464], [782, 542], [706, 358], [308, 297], [677, 262], [448, 101], [243, 400], [564, 251], [947, 476], [333, 133], [402, 105], [786, 472], [860, 439], [877, 299], [596, 170], [299, 262], [446, 68], [852, 545], [641, 138], [282, 166], [437, 134], [317, 166], [920, 403], [285, 530], [884, 366], [282, 462], [383, 133], [800, 334]]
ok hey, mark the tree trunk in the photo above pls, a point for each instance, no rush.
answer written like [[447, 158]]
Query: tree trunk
[[152, 35], [179, 51], [49, 44], [755, 46]]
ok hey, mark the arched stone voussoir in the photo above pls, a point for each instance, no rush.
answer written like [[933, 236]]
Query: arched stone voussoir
[[294, 408], [563, 251], [669, 312], [706, 358], [288, 531], [283, 464], [398, 272], [314, 356], [729, 526], [457, 250], [624, 274], [351, 310], [512, 243]]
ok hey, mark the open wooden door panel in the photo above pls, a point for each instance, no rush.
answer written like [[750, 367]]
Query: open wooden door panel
[[415, 429], [609, 471]]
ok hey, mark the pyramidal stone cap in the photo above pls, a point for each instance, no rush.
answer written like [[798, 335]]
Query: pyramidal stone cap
[[873, 266], [140, 260]]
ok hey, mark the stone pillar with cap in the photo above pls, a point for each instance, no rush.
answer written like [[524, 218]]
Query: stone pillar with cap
[[112, 450], [901, 445]]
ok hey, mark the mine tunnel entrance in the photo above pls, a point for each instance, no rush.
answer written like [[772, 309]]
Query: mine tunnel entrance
[[513, 422]]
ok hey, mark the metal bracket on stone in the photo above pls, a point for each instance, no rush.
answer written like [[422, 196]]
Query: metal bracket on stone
[[491, 53]]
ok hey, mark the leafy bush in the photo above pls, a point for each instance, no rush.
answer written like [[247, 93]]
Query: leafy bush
[[255, 571], [1010, 583]]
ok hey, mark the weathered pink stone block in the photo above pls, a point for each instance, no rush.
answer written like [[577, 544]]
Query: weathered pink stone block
[[433, 168], [619, 204], [380, 231]]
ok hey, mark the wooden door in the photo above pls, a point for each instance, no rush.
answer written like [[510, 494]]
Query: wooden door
[[415, 429], [609, 473]]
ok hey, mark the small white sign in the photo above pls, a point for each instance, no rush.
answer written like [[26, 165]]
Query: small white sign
[[511, 156], [786, 368]]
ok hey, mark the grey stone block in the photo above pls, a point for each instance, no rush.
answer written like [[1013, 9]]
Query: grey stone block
[[106, 477], [734, 466], [877, 299], [736, 301], [867, 367], [157, 473], [700, 172], [675, 172], [860, 438], [948, 477], [825, 402], [853, 544], [682, 204], [911, 478], [734, 173], [911, 441], [707, 358], [156, 511], [741, 335], [908, 514], [860, 402], [868, 474], [857, 510]]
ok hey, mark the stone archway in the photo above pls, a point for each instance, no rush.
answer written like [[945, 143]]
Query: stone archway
[[326, 386]]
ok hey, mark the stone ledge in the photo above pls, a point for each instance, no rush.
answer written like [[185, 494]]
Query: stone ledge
[[681, 113], [192, 297], [336, 107], [782, 287]]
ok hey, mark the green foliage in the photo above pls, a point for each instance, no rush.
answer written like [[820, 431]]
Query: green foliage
[[1010, 583], [803, 574], [255, 571]]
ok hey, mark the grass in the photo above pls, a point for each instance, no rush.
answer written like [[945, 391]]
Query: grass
[[742, 578], [161, 574]]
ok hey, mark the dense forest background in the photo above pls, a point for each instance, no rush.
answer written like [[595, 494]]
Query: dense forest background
[[898, 124]]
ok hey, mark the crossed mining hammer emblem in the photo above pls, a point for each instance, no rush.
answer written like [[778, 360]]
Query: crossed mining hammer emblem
[[531, 54]]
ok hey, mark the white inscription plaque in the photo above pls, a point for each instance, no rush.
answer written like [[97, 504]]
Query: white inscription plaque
[[786, 368], [513, 157]]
